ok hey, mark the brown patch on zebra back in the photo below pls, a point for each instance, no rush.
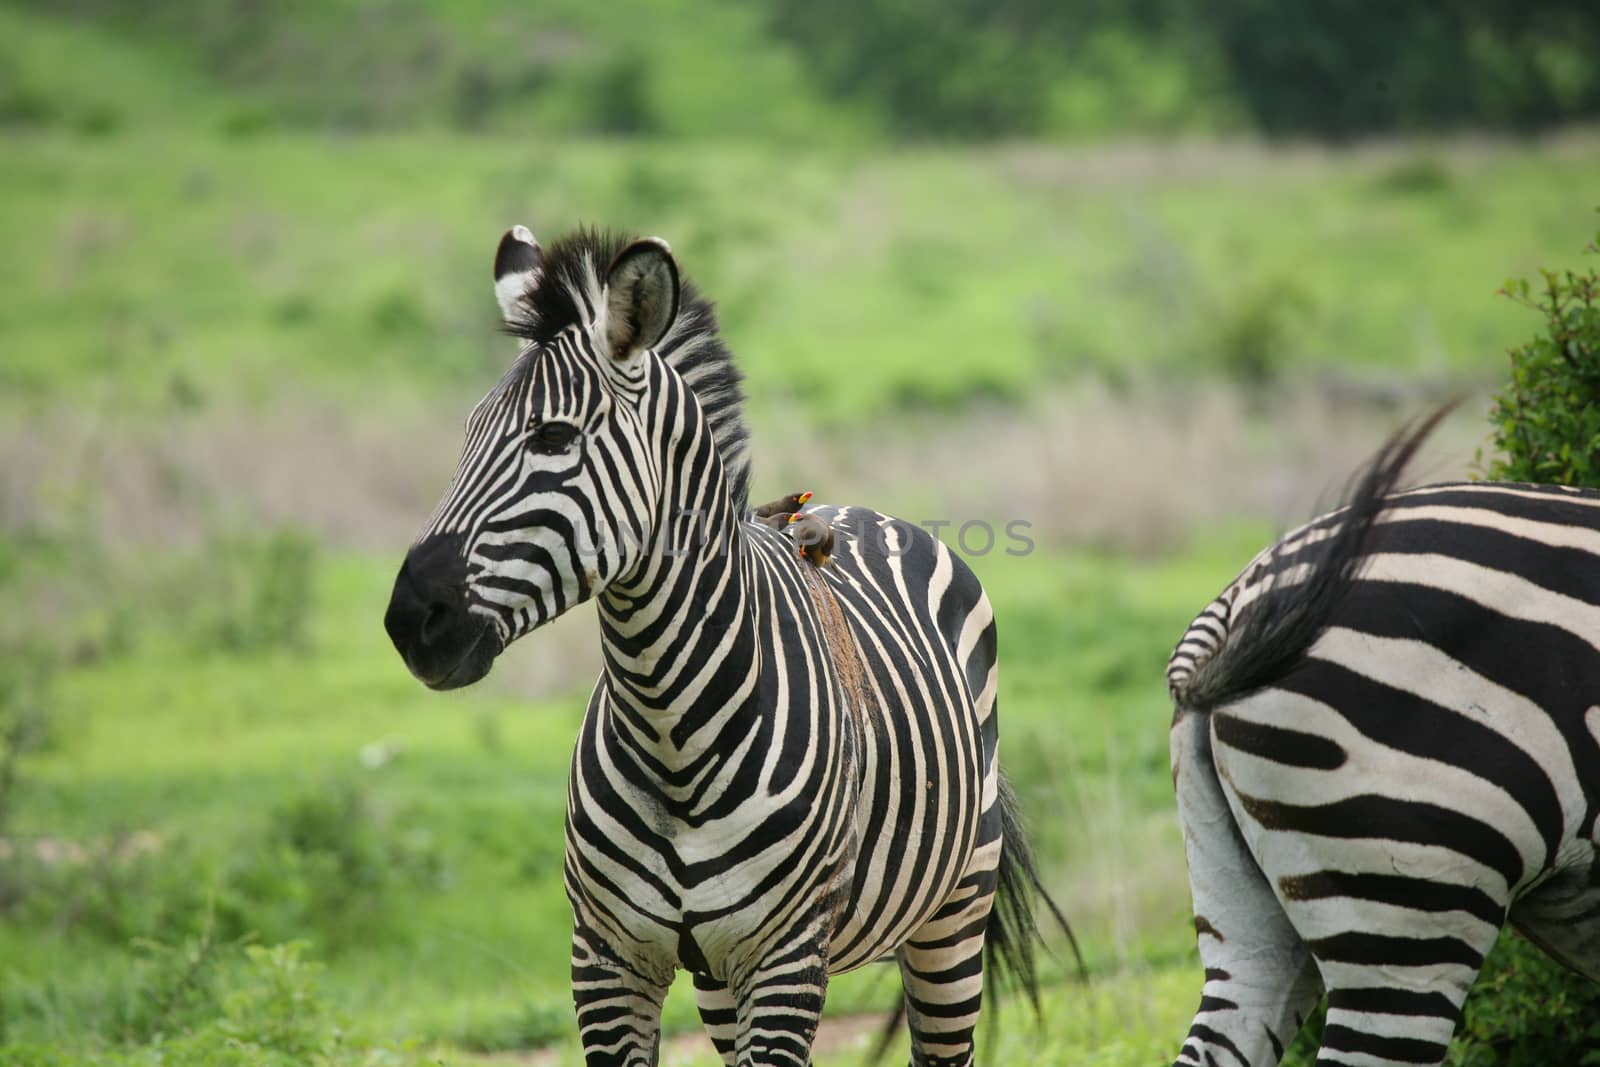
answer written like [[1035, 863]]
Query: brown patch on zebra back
[[842, 647]]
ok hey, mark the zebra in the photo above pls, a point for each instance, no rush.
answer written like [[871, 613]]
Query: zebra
[[1386, 745], [785, 771]]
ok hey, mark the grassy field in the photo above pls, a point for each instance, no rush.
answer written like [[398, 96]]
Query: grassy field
[[248, 304]]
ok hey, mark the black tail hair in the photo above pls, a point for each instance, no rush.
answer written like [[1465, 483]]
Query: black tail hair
[[1013, 931], [1281, 625], [1012, 937]]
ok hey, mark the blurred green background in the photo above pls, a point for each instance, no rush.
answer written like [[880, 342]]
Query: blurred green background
[[1150, 277]]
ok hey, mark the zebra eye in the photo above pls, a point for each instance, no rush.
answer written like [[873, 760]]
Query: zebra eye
[[554, 436]]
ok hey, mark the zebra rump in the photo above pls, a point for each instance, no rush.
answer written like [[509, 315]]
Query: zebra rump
[[1282, 624]]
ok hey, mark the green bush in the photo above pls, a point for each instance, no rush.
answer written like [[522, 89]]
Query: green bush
[[281, 1011], [244, 593], [1547, 418], [174, 987], [329, 863], [492, 1028], [255, 1006], [1251, 335], [1528, 1011], [204, 1003]]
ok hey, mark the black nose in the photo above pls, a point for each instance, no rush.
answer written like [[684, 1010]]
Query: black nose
[[442, 643]]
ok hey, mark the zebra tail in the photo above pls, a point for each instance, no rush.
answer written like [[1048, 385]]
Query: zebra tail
[[1012, 937], [1281, 625]]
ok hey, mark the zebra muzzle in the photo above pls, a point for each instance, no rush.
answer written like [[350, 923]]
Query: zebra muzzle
[[444, 645]]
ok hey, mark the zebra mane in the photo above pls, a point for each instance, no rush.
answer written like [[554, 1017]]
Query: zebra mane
[[567, 292]]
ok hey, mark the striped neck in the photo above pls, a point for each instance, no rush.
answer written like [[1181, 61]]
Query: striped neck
[[678, 635]]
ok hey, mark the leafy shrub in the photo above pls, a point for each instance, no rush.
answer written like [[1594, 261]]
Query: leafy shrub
[[251, 1006], [620, 95], [175, 987], [27, 673], [1418, 176], [281, 1011], [242, 593], [399, 312], [327, 863], [1528, 1011], [1547, 418]]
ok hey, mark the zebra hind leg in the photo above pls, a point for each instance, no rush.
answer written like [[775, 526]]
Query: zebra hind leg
[[941, 964], [1396, 983], [720, 1013], [1260, 981], [619, 1011], [941, 968], [1398, 926]]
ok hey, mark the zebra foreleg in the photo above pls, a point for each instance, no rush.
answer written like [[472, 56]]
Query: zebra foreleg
[[720, 1013], [619, 1011], [1260, 981], [780, 1005]]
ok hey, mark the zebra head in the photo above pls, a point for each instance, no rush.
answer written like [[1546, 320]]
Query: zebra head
[[558, 489]]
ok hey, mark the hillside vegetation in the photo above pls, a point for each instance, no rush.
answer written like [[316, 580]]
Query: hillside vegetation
[[184, 269]]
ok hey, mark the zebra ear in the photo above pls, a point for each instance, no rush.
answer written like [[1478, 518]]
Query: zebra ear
[[641, 297], [517, 263]]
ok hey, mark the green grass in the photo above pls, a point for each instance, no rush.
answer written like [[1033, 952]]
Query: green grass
[[178, 270]]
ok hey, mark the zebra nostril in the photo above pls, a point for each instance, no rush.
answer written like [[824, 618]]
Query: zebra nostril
[[434, 621]]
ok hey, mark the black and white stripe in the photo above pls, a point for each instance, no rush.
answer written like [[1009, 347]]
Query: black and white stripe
[[785, 771], [1386, 744]]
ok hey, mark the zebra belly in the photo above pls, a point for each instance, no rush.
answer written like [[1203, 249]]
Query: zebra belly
[[917, 827], [894, 861], [1562, 914]]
